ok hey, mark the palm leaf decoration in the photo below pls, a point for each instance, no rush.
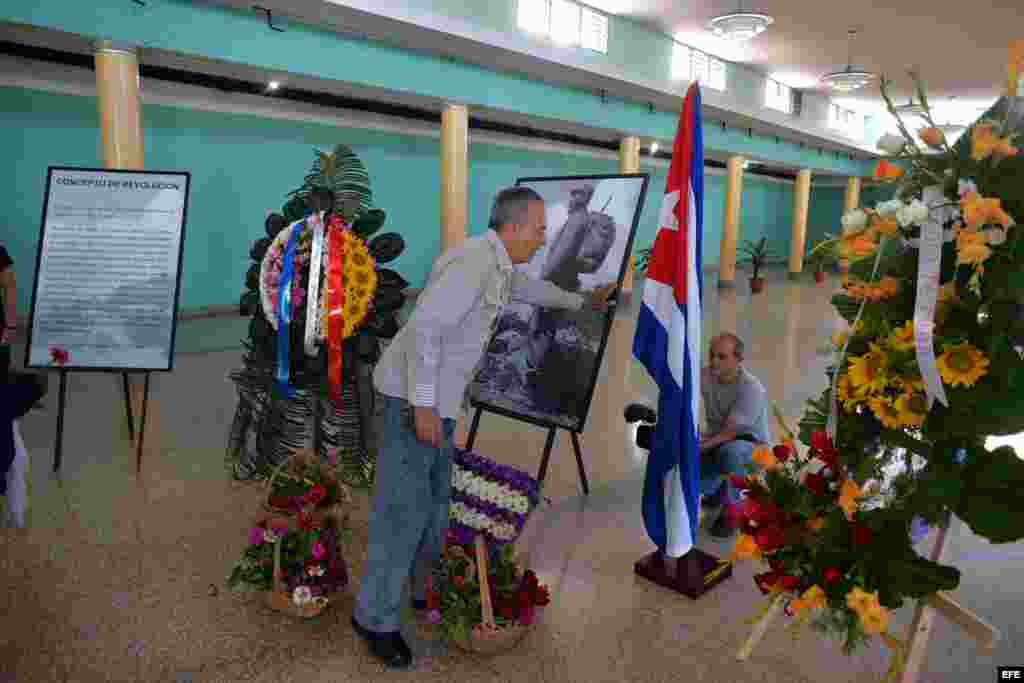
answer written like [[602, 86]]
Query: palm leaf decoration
[[344, 173]]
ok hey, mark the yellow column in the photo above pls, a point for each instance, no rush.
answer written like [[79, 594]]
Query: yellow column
[[120, 113], [731, 224], [120, 110], [454, 162], [629, 162], [852, 194], [851, 202], [801, 198]]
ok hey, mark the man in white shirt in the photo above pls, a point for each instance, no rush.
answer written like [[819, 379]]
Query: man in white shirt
[[422, 378]]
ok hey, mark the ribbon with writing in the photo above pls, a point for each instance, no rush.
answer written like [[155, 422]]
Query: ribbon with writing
[[929, 261], [284, 311], [313, 292]]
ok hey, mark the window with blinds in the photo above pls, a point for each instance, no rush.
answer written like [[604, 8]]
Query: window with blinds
[[565, 22], [778, 96], [846, 121], [693, 65]]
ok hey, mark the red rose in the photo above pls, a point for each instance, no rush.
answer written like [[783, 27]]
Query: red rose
[[58, 355], [790, 582], [459, 581], [541, 597], [760, 511], [280, 501], [861, 534], [315, 495], [782, 452], [820, 441], [767, 580], [770, 538], [740, 483], [526, 616], [776, 565], [525, 598], [433, 600], [832, 574], [816, 483], [508, 612]]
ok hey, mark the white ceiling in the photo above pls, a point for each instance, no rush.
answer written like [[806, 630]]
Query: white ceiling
[[959, 48]]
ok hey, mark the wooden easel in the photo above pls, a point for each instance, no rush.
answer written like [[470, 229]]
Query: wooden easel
[[983, 633]]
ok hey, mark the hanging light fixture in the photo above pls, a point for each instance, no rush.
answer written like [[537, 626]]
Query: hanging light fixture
[[739, 25], [849, 79]]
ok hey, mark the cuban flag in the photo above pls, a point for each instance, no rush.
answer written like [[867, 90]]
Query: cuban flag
[[668, 342]]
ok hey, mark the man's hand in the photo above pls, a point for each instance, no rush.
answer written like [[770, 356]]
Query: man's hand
[[598, 298], [428, 426]]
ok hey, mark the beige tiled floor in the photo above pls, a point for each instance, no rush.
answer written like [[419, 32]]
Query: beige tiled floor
[[120, 577]]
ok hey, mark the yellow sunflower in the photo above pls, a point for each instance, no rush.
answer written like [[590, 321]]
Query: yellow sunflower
[[962, 365], [902, 338], [812, 598], [860, 600], [849, 492], [870, 371], [845, 393], [875, 620], [886, 413], [912, 408]]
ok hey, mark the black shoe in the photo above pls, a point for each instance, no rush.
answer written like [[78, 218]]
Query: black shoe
[[389, 648], [722, 528]]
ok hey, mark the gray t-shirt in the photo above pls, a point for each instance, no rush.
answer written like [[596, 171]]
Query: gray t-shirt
[[745, 400]]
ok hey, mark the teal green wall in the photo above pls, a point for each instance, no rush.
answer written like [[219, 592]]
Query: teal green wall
[[824, 213], [242, 166], [215, 32]]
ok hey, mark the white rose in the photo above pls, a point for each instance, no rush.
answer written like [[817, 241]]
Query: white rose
[[914, 213], [891, 144], [889, 208], [995, 236], [854, 220], [302, 595], [963, 186]]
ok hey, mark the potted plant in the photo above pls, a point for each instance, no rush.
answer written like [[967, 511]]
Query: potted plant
[[756, 255], [819, 257]]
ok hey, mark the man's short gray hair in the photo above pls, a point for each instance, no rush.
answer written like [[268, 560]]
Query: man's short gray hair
[[737, 343], [511, 206]]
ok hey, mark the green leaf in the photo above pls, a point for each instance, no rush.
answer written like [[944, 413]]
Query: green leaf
[[369, 222], [991, 503]]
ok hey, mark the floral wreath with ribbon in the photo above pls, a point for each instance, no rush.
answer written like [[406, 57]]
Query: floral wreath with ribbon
[[931, 366], [341, 280]]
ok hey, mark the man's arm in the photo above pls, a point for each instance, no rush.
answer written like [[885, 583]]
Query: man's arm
[[543, 293]]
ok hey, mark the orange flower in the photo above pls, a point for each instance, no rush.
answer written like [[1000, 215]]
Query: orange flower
[[816, 523], [849, 492], [857, 244], [971, 247], [746, 548], [885, 225], [888, 286], [812, 598], [886, 170], [979, 211], [932, 136], [985, 143], [764, 457]]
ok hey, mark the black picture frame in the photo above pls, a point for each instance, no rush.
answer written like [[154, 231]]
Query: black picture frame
[[187, 178], [608, 316]]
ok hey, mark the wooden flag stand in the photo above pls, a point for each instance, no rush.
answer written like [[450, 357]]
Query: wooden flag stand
[[693, 574]]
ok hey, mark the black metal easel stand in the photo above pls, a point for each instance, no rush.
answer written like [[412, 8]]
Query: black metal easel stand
[[549, 443]]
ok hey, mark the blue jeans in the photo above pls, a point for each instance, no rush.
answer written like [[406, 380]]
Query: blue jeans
[[409, 517], [717, 465]]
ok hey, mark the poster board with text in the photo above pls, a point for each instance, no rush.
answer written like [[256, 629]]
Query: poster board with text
[[108, 270]]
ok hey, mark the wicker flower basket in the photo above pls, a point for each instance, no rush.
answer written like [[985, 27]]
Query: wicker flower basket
[[278, 598]]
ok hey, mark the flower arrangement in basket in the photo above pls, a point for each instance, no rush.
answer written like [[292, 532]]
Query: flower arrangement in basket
[[294, 550], [479, 576], [931, 367], [456, 604]]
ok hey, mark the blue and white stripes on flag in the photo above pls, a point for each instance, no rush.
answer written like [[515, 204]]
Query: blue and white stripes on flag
[[668, 342]]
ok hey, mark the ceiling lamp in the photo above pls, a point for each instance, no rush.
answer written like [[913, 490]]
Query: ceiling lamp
[[849, 79], [739, 25]]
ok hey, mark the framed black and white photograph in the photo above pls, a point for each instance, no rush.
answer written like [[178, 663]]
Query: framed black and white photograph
[[542, 364]]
